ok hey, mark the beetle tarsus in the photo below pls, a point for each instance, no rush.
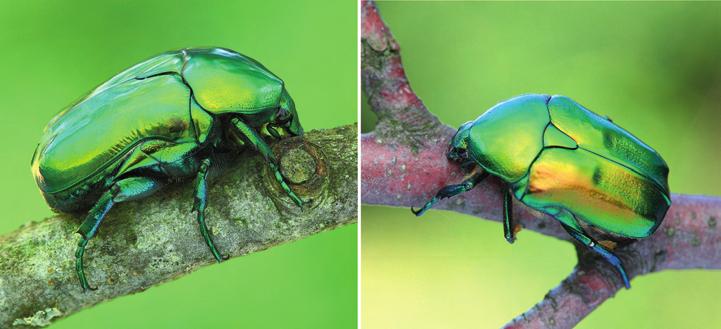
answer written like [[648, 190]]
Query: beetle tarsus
[[610, 257], [425, 207], [452, 190], [281, 180], [613, 260], [87, 231], [262, 147], [131, 188], [199, 205], [79, 268], [208, 240]]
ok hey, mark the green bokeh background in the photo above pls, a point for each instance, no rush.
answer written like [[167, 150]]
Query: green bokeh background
[[654, 68], [54, 52]]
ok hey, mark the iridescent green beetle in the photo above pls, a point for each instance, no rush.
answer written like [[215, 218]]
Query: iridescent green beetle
[[562, 159], [166, 118]]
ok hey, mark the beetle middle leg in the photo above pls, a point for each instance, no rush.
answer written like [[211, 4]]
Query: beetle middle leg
[[257, 141], [127, 189], [610, 257], [508, 216], [452, 190]]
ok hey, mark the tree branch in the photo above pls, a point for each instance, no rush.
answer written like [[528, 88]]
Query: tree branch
[[405, 169], [155, 240], [401, 114]]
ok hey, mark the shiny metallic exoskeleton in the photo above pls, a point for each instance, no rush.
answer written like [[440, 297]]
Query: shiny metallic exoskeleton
[[560, 158], [166, 118]]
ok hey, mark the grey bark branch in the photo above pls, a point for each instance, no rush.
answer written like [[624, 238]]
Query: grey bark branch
[[155, 240]]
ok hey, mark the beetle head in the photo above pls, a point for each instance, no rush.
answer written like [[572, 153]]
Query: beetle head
[[458, 150], [287, 118]]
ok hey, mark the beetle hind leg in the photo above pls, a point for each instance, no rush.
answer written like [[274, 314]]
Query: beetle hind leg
[[603, 252], [199, 205], [127, 189], [87, 231], [452, 190]]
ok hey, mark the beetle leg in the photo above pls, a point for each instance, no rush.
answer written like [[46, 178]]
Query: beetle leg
[[452, 190], [199, 204], [599, 249], [263, 148], [272, 131], [87, 231], [508, 216], [468, 165], [124, 190]]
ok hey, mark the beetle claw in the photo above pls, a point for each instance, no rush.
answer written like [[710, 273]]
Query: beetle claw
[[305, 203], [418, 212]]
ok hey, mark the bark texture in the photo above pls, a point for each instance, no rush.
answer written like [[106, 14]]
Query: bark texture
[[155, 240], [407, 167]]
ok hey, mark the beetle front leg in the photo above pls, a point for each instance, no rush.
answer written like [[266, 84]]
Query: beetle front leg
[[452, 190], [199, 205], [272, 131], [128, 189], [263, 148], [597, 248]]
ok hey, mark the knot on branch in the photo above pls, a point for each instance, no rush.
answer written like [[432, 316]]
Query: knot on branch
[[298, 166], [305, 167]]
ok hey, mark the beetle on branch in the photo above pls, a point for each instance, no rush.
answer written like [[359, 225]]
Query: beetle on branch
[[176, 115], [558, 157], [408, 136]]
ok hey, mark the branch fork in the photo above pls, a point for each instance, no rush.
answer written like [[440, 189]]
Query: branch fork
[[404, 164]]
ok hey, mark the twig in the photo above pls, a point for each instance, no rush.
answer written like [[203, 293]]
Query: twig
[[398, 170], [155, 240]]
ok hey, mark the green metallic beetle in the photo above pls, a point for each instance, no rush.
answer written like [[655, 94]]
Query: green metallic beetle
[[559, 158], [169, 117]]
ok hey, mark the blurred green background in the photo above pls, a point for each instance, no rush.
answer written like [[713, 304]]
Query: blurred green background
[[654, 68], [54, 52]]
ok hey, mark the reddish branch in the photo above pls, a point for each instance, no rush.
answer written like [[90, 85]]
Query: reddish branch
[[404, 164]]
